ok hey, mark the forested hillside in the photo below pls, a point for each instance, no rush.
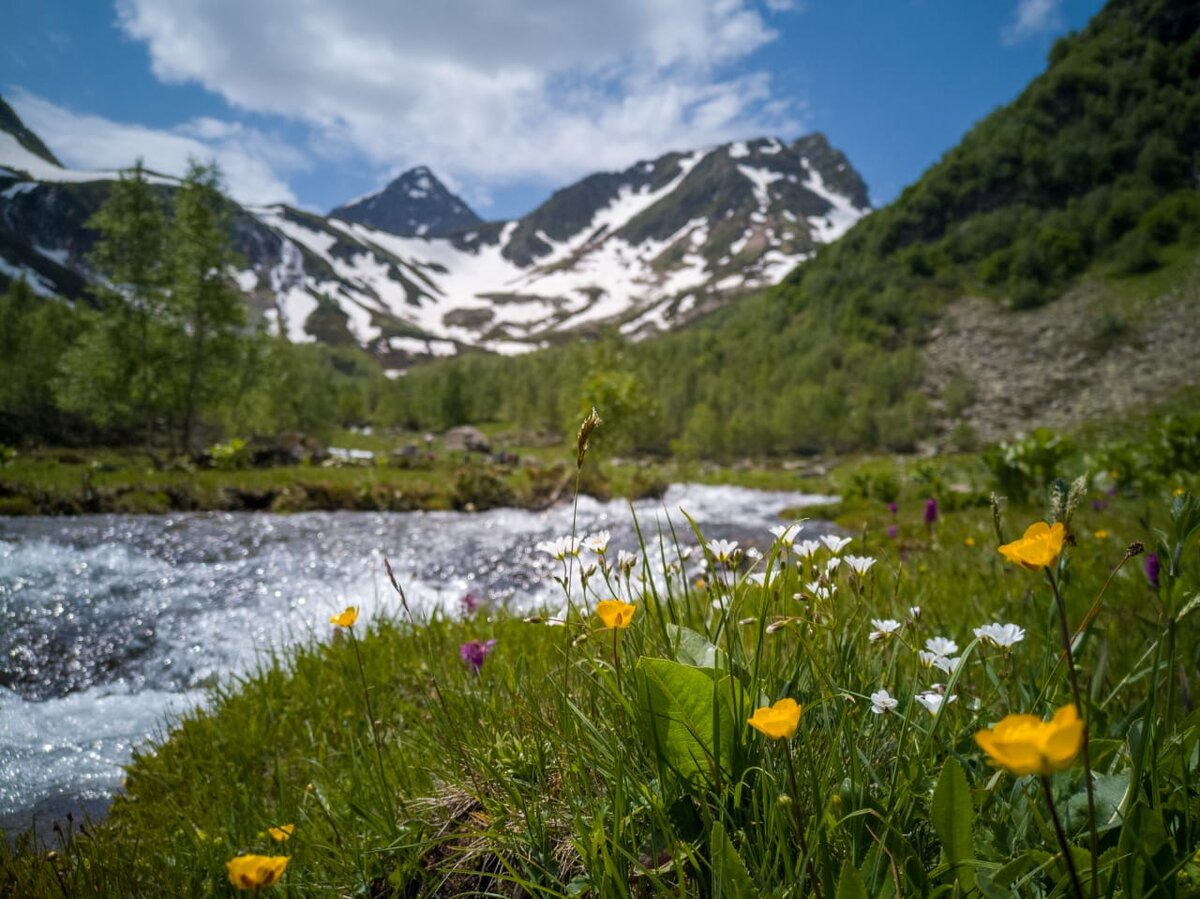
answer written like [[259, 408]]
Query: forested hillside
[[1091, 172]]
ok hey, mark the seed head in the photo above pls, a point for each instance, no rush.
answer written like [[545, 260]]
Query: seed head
[[590, 422]]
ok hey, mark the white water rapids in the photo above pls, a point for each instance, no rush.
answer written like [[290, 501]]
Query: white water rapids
[[110, 623]]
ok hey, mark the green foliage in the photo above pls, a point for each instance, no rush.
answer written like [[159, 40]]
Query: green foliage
[[230, 456], [1028, 463]]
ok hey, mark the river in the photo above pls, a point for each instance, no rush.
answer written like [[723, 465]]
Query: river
[[111, 624]]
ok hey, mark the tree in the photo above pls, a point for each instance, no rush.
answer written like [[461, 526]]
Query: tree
[[206, 308], [114, 376]]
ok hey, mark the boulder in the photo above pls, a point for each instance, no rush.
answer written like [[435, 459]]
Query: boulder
[[465, 437]]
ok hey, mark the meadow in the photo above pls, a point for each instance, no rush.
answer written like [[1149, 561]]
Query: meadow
[[892, 712]]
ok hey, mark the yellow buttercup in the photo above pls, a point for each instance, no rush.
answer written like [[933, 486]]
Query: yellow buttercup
[[778, 721], [1025, 744], [1038, 548]]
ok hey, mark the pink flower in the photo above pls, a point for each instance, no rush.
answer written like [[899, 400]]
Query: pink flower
[[473, 652], [470, 602]]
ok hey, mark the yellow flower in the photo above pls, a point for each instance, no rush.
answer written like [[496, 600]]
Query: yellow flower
[[346, 618], [777, 721], [1101, 534], [1178, 491], [249, 872], [1025, 744], [1038, 548], [969, 541], [615, 613], [280, 834]]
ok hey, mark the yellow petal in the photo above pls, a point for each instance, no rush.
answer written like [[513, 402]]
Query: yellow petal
[[614, 613]]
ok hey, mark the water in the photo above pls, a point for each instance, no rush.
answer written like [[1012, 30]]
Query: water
[[110, 624]]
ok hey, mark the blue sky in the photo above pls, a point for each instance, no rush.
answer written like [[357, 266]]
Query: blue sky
[[507, 101]]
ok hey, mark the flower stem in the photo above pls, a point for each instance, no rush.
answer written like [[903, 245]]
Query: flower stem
[[1062, 840], [617, 657], [800, 829], [362, 673], [1093, 842]]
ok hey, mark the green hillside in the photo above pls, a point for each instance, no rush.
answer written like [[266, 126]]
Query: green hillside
[[1089, 175]]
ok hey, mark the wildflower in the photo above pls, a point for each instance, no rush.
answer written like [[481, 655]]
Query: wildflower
[[893, 508], [818, 590], [1005, 636], [346, 618], [882, 701], [1025, 744], [931, 510], [1101, 534], [615, 613], [250, 872], [598, 543], [860, 565], [760, 578], [725, 552], [934, 698], [834, 543], [831, 566], [1152, 569], [927, 658], [946, 663], [559, 548], [786, 533], [893, 532], [914, 612], [806, 549], [1099, 505], [473, 652], [941, 646], [470, 603], [281, 834], [753, 554], [1038, 548], [884, 628], [626, 561], [968, 540], [1178, 491], [778, 721]]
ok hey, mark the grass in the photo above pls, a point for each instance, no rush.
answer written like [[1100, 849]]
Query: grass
[[589, 762]]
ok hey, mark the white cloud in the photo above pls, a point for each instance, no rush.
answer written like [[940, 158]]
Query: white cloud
[[1033, 17], [249, 159], [485, 92]]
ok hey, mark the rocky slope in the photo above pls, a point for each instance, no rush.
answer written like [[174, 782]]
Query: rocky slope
[[642, 250]]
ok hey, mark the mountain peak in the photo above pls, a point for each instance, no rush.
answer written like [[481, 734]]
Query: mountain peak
[[11, 123], [415, 203]]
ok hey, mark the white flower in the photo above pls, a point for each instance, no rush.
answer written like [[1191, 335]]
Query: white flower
[[882, 702], [935, 698], [831, 566], [860, 565], [724, 551], [559, 548], [940, 646], [946, 663], [806, 549], [884, 628], [914, 612], [834, 543], [818, 590], [1003, 635], [786, 533], [760, 578], [626, 561], [927, 658], [598, 543]]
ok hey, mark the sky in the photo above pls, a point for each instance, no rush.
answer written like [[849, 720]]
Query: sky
[[314, 102]]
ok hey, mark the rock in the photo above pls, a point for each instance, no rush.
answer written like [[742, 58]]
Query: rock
[[289, 448], [466, 437]]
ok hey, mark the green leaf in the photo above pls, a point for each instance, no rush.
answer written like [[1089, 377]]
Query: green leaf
[[951, 814], [850, 884], [1109, 791], [730, 877], [688, 716], [1145, 853], [692, 648]]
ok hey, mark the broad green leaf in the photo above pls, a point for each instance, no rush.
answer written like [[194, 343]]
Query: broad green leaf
[[730, 877], [1145, 853], [1109, 791], [688, 715], [850, 884], [951, 815], [692, 648]]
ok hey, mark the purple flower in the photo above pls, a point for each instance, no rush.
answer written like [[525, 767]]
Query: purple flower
[[1099, 505], [931, 510], [1150, 566], [893, 508], [470, 602], [1112, 491], [893, 531], [473, 652]]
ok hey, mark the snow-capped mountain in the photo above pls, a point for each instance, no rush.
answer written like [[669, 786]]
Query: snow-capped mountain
[[414, 204], [642, 250]]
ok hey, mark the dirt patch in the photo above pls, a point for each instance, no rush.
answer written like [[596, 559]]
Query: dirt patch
[[1089, 354]]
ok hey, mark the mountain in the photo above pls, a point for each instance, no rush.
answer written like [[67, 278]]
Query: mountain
[[1044, 271], [643, 250], [414, 204]]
